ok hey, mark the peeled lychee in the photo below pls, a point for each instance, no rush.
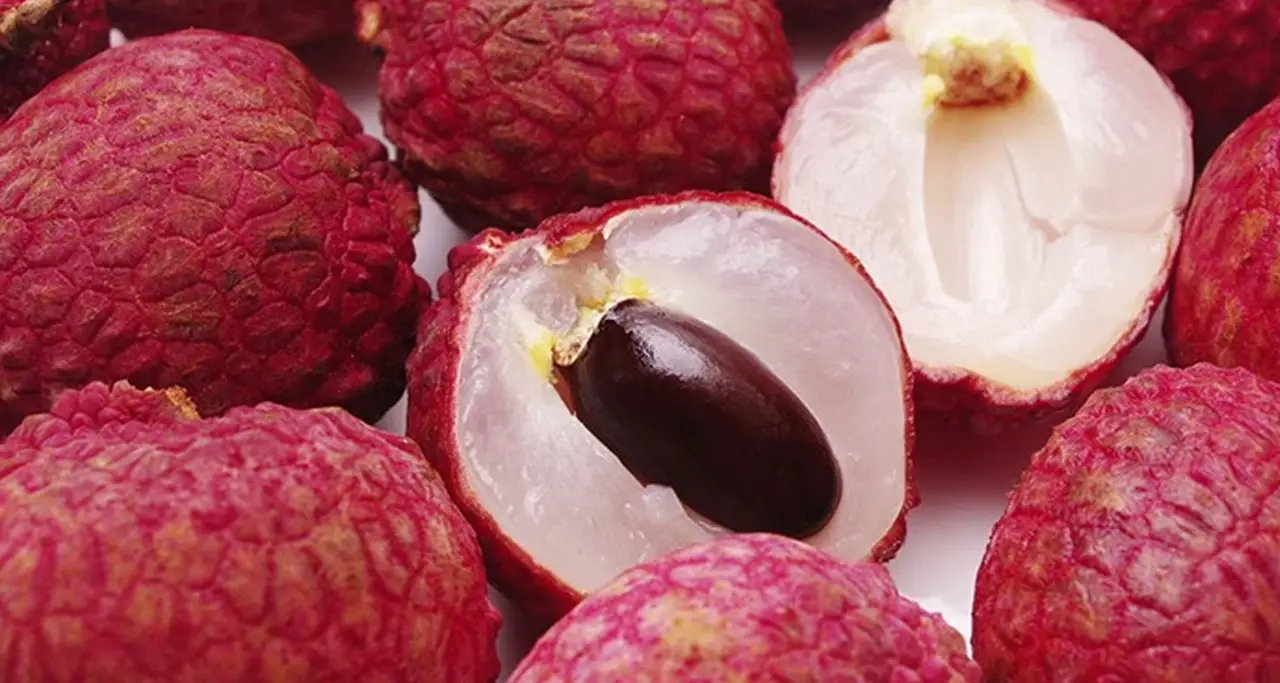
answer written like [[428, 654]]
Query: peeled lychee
[[628, 380], [751, 607], [42, 39], [197, 210], [1224, 301], [1140, 544], [1223, 57], [1013, 177], [142, 544], [511, 111], [290, 22]]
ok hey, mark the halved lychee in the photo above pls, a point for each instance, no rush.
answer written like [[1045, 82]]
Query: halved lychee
[[1013, 177], [629, 380]]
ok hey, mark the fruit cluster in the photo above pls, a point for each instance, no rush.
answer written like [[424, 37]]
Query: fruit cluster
[[665, 397]]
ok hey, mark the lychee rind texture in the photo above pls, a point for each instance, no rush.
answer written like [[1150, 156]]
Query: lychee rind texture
[[749, 608], [511, 112], [42, 39], [1139, 545], [1223, 57], [1225, 293], [197, 210], [289, 22], [141, 544]]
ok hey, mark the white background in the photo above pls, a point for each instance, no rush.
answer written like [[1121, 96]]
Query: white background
[[963, 480]]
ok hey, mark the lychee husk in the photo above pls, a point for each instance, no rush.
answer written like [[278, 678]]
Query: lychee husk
[[1138, 544], [965, 72], [42, 39], [143, 544], [288, 22], [447, 331]]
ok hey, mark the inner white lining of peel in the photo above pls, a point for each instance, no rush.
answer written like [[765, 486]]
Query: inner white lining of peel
[[1019, 242], [777, 288]]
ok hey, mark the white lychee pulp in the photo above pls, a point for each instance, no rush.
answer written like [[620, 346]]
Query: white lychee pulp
[[1018, 239], [772, 284]]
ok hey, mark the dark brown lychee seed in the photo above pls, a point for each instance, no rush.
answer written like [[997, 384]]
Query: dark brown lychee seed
[[683, 405]]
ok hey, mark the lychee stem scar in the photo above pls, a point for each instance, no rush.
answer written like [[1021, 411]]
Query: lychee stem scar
[[965, 73]]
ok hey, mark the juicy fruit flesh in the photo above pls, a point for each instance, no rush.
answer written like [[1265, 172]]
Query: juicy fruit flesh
[[1020, 240], [751, 273], [683, 405], [749, 608], [1140, 543]]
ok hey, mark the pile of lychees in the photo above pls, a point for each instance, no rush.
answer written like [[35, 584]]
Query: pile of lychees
[[664, 397]]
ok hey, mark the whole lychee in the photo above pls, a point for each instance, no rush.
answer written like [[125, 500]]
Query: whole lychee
[[142, 544], [627, 380], [1224, 301], [1223, 57], [749, 608], [289, 22], [42, 39], [1140, 543], [511, 111], [1013, 177], [197, 210]]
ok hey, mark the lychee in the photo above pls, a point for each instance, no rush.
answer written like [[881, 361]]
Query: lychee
[[142, 544], [289, 22], [753, 607], [42, 39], [512, 111], [1225, 291], [1013, 177], [1223, 57], [1140, 543], [627, 380], [197, 210]]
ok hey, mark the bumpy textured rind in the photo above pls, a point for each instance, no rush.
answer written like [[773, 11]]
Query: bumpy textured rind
[[433, 381], [197, 210], [1224, 305], [1140, 543], [289, 22], [141, 544], [513, 111], [1223, 57], [750, 608], [42, 39], [963, 398]]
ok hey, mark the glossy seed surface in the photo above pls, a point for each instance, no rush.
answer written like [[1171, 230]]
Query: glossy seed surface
[[684, 405]]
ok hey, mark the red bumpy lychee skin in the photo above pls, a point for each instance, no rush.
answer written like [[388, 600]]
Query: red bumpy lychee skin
[[197, 210], [1139, 545], [141, 544], [42, 39], [1225, 295], [433, 382], [289, 22], [751, 608], [510, 112], [1223, 57]]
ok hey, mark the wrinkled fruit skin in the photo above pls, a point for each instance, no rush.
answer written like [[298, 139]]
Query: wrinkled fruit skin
[[733, 441], [750, 608], [1139, 545], [67, 33], [289, 22], [197, 210], [970, 401], [1225, 298], [141, 544], [512, 111], [1223, 57], [433, 381]]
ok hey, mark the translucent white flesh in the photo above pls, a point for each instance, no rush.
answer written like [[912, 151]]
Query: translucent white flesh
[[773, 285], [1019, 242]]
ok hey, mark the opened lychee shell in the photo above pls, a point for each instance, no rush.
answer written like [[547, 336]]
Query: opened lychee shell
[[42, 39], [1013, 177], [556, 511]]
